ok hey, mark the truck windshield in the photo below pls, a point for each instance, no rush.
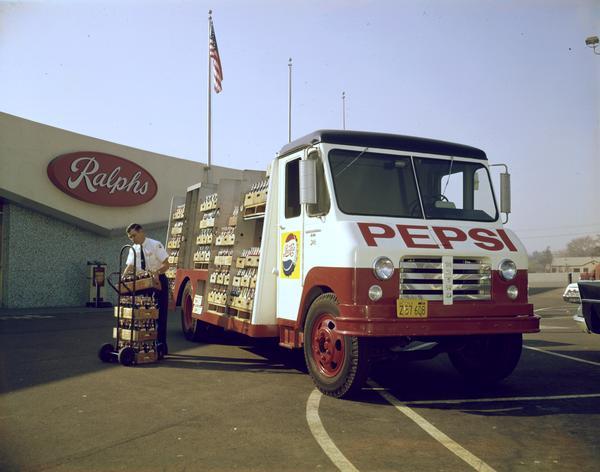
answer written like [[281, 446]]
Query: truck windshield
[[368, 183], [455, 190]]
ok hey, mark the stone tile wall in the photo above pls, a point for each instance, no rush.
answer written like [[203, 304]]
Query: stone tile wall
[[46, 259]]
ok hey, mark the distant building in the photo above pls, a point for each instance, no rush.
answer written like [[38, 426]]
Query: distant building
[[575, 265]]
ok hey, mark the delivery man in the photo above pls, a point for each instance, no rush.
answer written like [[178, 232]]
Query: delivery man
[[152, 257]]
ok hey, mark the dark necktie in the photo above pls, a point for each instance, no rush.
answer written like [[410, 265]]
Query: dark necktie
[[143, 263]]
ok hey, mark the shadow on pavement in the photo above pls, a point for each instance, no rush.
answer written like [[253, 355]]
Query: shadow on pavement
[[543, 343], [228, 364]]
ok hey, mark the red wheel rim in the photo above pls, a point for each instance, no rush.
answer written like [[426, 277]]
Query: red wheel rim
[[327, 345], [187, 312]]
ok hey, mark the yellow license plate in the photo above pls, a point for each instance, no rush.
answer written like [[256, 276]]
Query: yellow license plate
[[411, 308]]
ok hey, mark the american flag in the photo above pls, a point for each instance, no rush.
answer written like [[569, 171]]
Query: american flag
[[216, 60]]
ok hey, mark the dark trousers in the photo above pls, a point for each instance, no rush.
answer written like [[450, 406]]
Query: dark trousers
[[163, 308]]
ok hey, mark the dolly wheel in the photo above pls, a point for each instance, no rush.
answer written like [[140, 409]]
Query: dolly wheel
[[127, 356], [105, 352]]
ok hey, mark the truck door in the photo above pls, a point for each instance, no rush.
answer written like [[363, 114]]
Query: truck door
[[290, 239]]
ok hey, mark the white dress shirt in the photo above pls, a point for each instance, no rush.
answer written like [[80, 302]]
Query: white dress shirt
[[154, 253]]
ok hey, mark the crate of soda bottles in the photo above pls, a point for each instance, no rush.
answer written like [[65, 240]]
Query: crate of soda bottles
[[144, 308], [141, 281], [138, 330]]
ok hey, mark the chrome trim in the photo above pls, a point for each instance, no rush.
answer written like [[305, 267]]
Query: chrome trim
[[425, 274], [455, 297]]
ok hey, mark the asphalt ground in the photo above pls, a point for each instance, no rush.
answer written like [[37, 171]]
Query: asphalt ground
[[244, 405]]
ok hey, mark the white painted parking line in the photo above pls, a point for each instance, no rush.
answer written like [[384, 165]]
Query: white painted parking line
[[542, 327], [321, 436], [501, 399], [435, 433], [585, 361], [24, 317], [561, 308]]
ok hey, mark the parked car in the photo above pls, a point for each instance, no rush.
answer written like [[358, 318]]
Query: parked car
[[571, 294], [588, 313]]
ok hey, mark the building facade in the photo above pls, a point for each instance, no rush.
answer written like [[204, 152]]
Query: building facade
[[574, 265], [66, 199]]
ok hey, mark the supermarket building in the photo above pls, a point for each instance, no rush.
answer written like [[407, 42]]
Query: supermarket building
[[66, 199]]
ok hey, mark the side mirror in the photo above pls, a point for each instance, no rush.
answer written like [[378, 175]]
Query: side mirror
[[308, 181], [505, 192]]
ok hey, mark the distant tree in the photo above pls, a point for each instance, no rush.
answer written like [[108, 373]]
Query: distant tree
[[539, 260], [584, 246]]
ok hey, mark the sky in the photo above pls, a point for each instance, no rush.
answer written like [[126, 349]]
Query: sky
[[513, 78]]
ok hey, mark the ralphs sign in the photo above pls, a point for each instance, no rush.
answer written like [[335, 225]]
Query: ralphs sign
[[102, 179], [420, 236]]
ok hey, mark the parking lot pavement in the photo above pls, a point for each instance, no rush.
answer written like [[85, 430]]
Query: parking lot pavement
[[241, 405]]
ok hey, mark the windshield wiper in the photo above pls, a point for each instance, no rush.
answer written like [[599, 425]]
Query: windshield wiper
[[449, 175], [352, 162]]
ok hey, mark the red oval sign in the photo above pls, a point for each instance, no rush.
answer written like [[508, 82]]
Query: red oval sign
[[102, 179]]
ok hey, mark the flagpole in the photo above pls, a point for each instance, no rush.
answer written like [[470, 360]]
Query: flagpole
[[209, 97], [343, 110], [290, 101]]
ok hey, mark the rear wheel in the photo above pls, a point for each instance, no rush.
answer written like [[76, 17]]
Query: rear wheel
[[487, 359], [193, 329], [106, 353], [338, 364]]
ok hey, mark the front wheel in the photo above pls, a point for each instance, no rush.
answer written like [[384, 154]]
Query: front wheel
[[487, 359], [338, 364]]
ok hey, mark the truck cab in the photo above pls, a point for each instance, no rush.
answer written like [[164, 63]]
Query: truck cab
[[372, 244]]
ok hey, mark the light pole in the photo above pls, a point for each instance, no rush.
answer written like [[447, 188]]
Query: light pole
[[290, 101]]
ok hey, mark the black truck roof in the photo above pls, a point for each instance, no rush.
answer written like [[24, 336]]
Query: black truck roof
[[383, 141]]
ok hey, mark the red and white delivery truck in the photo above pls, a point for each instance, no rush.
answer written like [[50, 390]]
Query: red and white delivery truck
[[357, 246]]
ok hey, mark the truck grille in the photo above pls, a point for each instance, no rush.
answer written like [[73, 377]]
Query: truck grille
[[423, 277]]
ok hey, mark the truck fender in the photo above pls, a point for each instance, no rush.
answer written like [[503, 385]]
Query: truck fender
[[180, 290], [308, 298]]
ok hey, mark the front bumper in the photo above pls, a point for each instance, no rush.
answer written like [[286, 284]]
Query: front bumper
[[381, 320]]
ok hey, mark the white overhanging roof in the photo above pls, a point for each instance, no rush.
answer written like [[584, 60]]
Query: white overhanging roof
[[27, 147]]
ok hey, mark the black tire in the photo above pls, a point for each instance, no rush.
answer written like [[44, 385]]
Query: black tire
[[487, 359], [127, 356], [105, 353], [336, 379], [196, 330], [161, 350]]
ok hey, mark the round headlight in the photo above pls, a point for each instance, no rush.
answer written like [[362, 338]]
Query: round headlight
[[508, 269], [375, 292], [383, 268], [512, 292]]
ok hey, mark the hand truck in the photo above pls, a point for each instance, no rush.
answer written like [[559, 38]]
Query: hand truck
[[126, 349]]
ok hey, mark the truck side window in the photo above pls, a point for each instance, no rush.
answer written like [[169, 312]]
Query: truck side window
[[292, 189], [323, 203]]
